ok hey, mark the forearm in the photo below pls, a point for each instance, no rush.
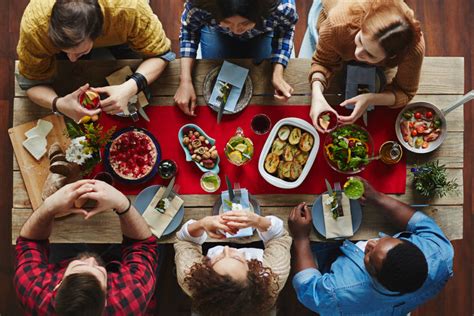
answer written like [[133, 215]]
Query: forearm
[[397, 212], [278, 70], [383, 98], [134, 226], [186, 69], [39, 225], [152, 68], [42, 95], [303, 257], [196, 229]]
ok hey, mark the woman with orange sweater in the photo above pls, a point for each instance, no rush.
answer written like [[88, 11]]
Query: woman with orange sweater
[[378, 32]]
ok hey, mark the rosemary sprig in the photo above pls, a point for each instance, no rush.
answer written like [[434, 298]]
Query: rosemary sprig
[[430, 180]]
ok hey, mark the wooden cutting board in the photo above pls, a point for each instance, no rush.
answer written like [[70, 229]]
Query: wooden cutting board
[[34, 172]]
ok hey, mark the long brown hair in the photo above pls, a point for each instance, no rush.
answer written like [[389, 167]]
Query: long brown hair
[[392, 23], [218, 295]]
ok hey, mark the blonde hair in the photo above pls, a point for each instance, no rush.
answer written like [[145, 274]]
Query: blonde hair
[[392, 23]]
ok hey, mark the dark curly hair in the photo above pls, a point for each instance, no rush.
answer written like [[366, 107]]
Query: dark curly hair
[[404, 269], [218, 295]]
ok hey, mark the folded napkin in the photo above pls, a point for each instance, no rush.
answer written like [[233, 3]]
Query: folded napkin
[[342, 226], [244, 203], [236, 76], [159, 221]]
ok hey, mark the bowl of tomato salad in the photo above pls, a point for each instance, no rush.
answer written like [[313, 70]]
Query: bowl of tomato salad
[[347, 148]]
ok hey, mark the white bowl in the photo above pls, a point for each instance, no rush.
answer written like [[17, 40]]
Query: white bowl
[[305, 127]]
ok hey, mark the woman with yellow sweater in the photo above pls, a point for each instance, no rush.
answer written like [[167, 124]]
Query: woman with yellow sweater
[[73, 27], [377, 32]]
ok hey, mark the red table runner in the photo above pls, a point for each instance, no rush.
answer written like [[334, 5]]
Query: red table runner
[[167, 120]]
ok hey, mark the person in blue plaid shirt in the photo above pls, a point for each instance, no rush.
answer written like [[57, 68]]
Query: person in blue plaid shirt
[[220, 29]]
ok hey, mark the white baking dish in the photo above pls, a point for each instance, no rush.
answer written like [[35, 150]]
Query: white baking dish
[[305, 127]]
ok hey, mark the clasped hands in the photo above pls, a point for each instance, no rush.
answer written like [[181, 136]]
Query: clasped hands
[[230, 222], [66, 200], [116, 102]]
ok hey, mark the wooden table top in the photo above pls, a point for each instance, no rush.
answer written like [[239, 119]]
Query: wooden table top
[[442, 82]]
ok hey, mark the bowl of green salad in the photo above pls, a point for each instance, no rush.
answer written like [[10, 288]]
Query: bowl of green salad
[[347, 148]]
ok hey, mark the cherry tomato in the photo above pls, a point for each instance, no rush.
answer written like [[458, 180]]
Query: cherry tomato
[[414, 132], [418, 115], [411, 124], [429, 114], [420, 129]]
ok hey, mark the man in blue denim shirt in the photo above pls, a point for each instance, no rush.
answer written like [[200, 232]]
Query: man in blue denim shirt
[[385, 276]]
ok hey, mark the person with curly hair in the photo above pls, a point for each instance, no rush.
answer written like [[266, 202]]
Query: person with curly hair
[[383, 33], [230, 281]]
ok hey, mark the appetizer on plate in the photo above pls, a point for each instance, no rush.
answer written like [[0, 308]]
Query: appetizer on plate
[[200, 148], [419, 127], [133, 155], [289, 153]]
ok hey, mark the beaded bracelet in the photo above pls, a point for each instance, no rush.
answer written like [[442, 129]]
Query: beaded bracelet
[[128, 208]]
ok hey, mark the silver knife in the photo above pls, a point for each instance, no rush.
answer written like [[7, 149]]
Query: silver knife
[[142, 112], [229, 188], [328, 187], [365, 119], [169, 189], [337, 188]]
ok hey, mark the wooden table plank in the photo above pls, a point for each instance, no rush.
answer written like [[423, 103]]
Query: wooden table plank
[[105, 227], [21, 200], [440, 75]]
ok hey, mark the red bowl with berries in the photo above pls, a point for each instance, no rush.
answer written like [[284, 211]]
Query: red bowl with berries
[[133, 155], [421, 127]]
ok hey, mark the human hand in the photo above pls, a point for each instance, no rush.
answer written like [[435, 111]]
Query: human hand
[[118, 96], [299, 222], [185, 97], [107, 198], [283, 90], [215, 226], [370, 194], [318, 106], [61, 203], [244, 219], [361, 102], [69, 105]]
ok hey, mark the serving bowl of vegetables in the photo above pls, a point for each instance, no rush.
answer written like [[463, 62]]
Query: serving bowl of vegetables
[[347, 149]]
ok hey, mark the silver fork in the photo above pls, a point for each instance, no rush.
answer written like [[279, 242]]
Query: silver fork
[[237, 192]]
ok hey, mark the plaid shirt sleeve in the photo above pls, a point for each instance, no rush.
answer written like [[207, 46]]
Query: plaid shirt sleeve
[[132, 287], [192, 20], [282, 43], [33, 277]]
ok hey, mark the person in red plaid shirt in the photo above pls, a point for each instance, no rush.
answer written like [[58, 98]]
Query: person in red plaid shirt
[[82, 286]]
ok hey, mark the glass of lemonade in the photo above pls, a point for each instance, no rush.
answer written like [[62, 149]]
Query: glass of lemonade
[[239, 149], [210, 182], [354, 188]]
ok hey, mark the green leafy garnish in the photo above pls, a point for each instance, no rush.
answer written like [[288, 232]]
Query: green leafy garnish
[[431, 180]]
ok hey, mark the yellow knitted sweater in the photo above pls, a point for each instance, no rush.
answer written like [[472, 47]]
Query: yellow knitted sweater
[[129, 22]]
